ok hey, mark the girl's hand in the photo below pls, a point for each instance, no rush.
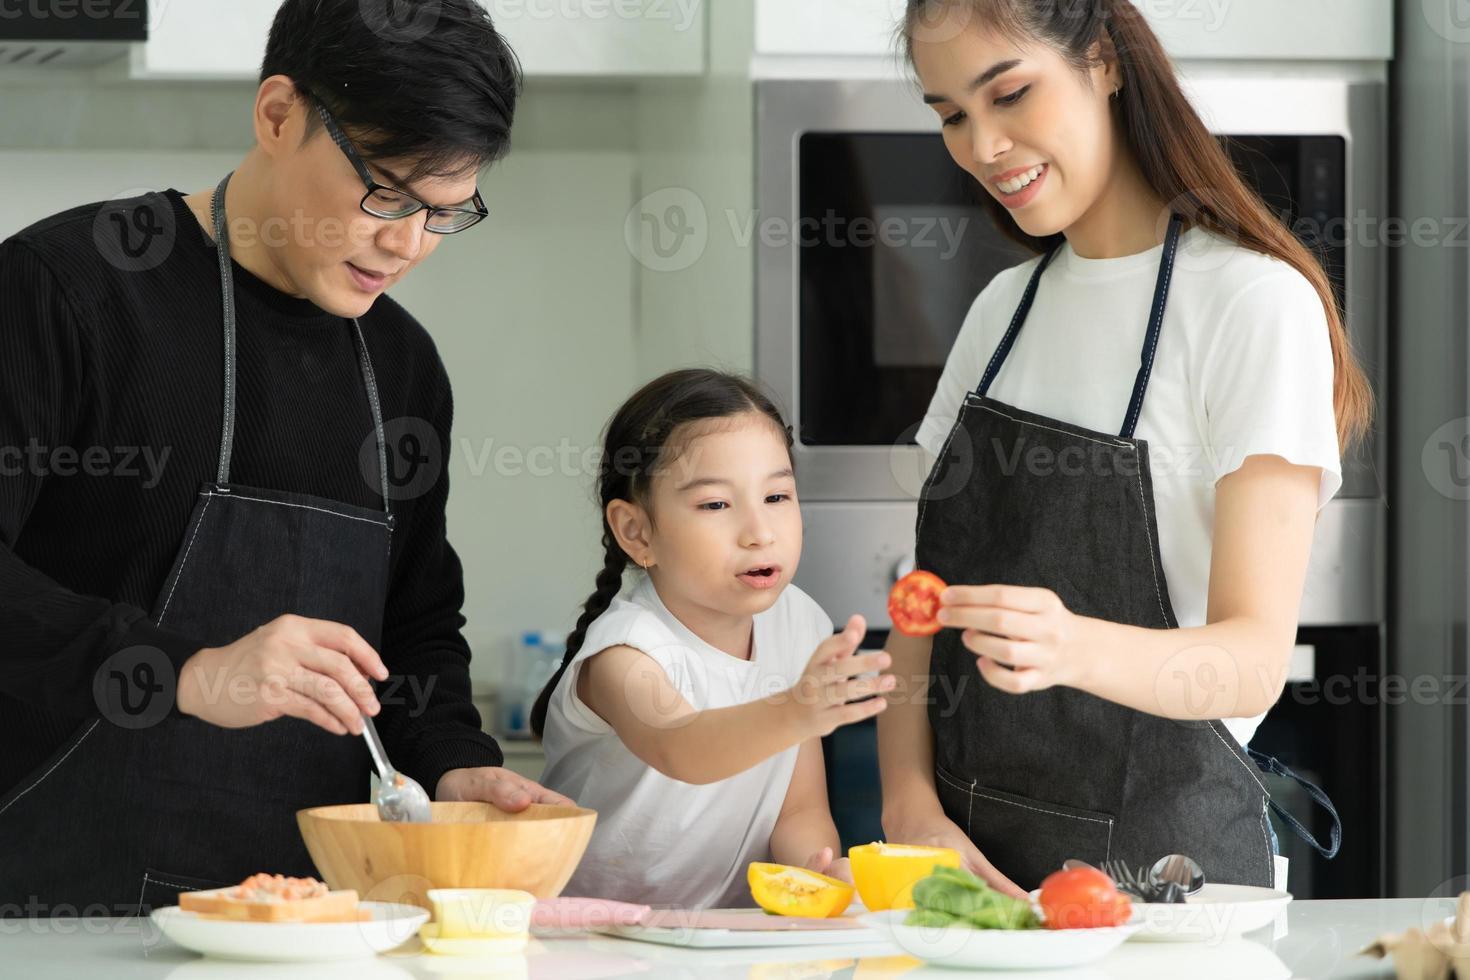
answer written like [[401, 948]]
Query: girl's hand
[[822, 863], [820, 699], [1025, 639]]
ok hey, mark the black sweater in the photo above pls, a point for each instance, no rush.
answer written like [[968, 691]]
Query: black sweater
[[110, 416]]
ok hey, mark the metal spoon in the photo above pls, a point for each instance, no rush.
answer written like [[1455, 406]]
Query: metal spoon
[[1180, 870], [400, 799]]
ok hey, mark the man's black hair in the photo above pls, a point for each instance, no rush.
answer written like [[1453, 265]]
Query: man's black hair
[[431, 81]]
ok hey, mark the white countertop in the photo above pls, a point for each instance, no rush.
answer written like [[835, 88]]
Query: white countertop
[[1317, 939]]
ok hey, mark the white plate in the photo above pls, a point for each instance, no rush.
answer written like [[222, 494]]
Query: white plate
[[999, 949], [390, 927], [1213, 913]]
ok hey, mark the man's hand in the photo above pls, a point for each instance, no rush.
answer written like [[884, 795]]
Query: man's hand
[[304, 668], [507, 790]]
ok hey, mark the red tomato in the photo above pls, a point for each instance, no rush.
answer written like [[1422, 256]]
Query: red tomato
[[1083, 898], [913, 604]]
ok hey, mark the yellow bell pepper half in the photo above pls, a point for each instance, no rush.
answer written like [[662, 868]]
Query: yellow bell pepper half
[[783, 890], [885, 873]]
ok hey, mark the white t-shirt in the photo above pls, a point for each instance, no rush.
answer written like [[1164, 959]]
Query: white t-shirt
[[1243, 367], [659, 841]]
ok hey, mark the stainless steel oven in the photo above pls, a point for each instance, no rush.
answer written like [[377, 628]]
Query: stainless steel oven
[[857, 310], [858, 307]]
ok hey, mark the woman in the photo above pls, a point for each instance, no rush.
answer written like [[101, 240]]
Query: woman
[[1127, 497]]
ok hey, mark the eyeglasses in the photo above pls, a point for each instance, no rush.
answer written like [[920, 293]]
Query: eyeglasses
[[391, 204]]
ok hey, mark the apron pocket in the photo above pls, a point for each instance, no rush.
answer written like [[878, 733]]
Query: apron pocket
[[162, 888], [1025, 839], [954, 797]]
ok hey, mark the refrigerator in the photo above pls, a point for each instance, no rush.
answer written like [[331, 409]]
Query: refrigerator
[[1428, 419]]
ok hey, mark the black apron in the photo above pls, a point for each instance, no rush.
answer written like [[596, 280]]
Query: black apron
[[121, 820], [1039, 778]]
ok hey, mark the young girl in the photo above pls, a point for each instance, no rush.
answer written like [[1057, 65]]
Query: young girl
[[689, 714], [1173, 376]]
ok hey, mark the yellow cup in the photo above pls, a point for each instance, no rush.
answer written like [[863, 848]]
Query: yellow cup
[[885, 874], [482, 913]]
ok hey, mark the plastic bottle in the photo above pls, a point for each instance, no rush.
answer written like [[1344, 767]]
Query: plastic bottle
[[534, 661], [541, 663], [516, 713]]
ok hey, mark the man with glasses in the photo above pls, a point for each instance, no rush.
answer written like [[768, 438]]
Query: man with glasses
[[190, 649]]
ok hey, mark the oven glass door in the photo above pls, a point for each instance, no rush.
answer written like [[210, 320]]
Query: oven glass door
[[894, 247]]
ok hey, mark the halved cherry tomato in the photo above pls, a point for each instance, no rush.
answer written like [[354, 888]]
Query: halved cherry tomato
[[913, 605], [1083, 898]]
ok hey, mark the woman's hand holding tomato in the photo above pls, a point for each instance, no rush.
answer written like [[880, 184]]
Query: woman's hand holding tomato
[[1026, 639]]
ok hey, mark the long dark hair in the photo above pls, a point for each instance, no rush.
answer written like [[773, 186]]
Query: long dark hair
[[640, 440], [1178, 156]]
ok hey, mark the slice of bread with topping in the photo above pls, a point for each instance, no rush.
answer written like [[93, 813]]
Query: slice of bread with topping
[[274, 898]]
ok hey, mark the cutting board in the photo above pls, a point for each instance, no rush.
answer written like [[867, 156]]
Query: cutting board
[[731, 928]]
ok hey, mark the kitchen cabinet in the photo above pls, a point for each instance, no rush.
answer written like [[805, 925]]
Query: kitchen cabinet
[[200, 39], [1216, 29], [826, 27], [192, 40], [594, 38]]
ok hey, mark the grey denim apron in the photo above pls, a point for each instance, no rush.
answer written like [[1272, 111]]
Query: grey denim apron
[[126, 819], [1022, 499]]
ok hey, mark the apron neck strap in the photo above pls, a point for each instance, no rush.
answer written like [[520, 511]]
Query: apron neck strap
[[1155, 325], [1151, 338], [370, 382], [1008, 341], [227, 288]]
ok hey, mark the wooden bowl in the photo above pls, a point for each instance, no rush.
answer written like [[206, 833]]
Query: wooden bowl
[[469, 845]]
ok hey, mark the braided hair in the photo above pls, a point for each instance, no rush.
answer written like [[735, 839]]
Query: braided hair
[[639, 440]]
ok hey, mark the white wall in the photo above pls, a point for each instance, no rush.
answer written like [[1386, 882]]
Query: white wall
[[696, 145], [56, 180], [535, 321]]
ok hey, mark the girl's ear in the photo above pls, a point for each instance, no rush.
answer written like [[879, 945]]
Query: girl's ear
[[631, 526]]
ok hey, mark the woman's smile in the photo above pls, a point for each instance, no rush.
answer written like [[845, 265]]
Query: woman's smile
[[1018, 188]]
